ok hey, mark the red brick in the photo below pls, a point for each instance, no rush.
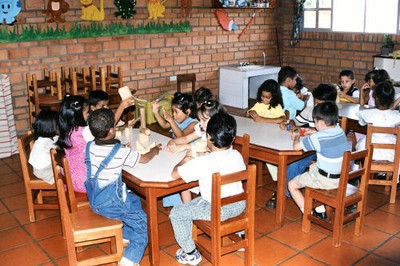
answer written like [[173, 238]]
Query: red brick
[[180, 60], [142, 44], [56, 50], [93, 47], [17, 53], [127, 45], [157, 43]]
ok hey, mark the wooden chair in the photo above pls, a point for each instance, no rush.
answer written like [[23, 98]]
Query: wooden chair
[[340, 198], [213, 246], [350, 134], [242, 145], [184, 78], [84, 228], [113, 81], [36, 189], [45, 93], [390, 168]]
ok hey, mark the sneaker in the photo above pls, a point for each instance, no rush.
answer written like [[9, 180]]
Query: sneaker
[[352, 208], [271, 203], [320, 215], [183, 258]]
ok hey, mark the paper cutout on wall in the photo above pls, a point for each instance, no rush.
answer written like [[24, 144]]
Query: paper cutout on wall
[[9, 9], [54, 9], [225, 22], [156, 9], [91, 12]]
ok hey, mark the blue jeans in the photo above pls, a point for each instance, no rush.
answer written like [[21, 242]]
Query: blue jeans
[[109, 203], [297, 168]]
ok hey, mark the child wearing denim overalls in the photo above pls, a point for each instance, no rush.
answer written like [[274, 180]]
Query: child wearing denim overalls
[[107, 194]]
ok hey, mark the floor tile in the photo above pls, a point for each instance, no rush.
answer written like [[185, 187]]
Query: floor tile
[[390, 250], [13, 237], [12, 190], [264, 221], [375, 261], [384, 221], [25, 255], [393, 208], [55, 246], [3, 208], [293, 236], [301, 259], [166, 238], [344, 255], [9, 178], [369, 239], [45, 228], [7, 221], [16, 202], [271, 252]]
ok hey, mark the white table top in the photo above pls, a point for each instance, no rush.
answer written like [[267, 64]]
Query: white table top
[[268, 135], [349, 110], [160, 167]]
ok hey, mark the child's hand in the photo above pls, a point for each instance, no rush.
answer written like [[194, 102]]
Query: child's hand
[[309, 131], [365, 87], [128, 102], [167, 116], [251, 113], [295, 134], [155, 106], [128, 144]]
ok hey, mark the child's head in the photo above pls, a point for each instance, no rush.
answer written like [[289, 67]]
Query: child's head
[[207, 110], [101, 123], [201, 95], [346, 79], [380, 76], [270, 93], [369, 78], [324, 92], [97, 99], [183, 107], [327, 112], [384, 95], [287, 77], [221, 130], [299, 84], [46, 124], [73, 114]]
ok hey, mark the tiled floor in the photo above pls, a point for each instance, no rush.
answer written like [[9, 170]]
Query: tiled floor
[[41, 243]]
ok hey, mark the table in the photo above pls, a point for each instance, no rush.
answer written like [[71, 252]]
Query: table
[[350, 110], [268, 143], [153, 180]]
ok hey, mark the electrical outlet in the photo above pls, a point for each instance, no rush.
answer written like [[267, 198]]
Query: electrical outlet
[[172, 78]]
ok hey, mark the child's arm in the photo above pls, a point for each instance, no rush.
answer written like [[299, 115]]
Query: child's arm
[[145, 158], [260, 119], [296, 140], [160, 120], [348, 97], [175, 148], [395, 104], [122, 106], [364, 94], [175, 173]]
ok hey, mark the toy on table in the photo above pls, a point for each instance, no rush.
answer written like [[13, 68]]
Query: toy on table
[[143, 143]]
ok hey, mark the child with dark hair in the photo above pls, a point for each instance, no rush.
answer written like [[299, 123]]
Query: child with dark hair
[[287, 78], [330, 143], [268, 108], [74, 134], [99, 99], [371, 78], [201, 95], [221, 132], [45, 135], [381, 116], [107, 194], [346, 89], [183, 117]]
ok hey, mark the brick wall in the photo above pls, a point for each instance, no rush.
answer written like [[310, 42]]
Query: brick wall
[[147, 60], [319, 57]]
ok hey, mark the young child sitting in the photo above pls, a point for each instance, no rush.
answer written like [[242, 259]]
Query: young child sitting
[[99, 99], [221, 132], [107, 194], [371, 78], [381, 116], [330, 143], [346, 90], [46, 136], [268, 108], [201, 95], [287, 77]]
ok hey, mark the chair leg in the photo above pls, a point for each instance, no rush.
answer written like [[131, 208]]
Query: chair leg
[[307, 210], [393, 189], [259, 178], [338, 227], [31, 209]]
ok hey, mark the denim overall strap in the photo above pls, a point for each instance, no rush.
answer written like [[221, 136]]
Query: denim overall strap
[[103, 164]]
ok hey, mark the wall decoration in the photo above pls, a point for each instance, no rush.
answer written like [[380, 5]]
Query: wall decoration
[[54, 9], [186, 8], [95, 29], [156, 9], [125, 8], [225, 22], [91, 12], [298, 15], [9, 9]]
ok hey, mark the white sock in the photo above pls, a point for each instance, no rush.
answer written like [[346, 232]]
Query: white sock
[[320, 209], [125, 262]]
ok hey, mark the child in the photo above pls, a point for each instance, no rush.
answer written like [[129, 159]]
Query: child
[[287, 79], [201, 95], [73, 136], [380, 116], [373, 77], [322, 93], [184, 115], [268, 108], [346, 89], [181, 123], [46, 136], [330, 143], [221, 132], [107, 194], [99, 99]]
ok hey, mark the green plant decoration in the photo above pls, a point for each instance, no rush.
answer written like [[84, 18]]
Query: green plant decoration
[[29, 33], [125, 8], [387, 41]]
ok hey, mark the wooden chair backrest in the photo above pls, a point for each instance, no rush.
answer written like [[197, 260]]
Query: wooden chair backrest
[[242, 144], [25, 144], [182, 78]]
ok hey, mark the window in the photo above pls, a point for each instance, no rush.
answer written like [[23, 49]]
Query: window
[[369, 16]]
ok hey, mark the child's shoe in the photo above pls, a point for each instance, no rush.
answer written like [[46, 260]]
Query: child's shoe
[[183, 258]]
